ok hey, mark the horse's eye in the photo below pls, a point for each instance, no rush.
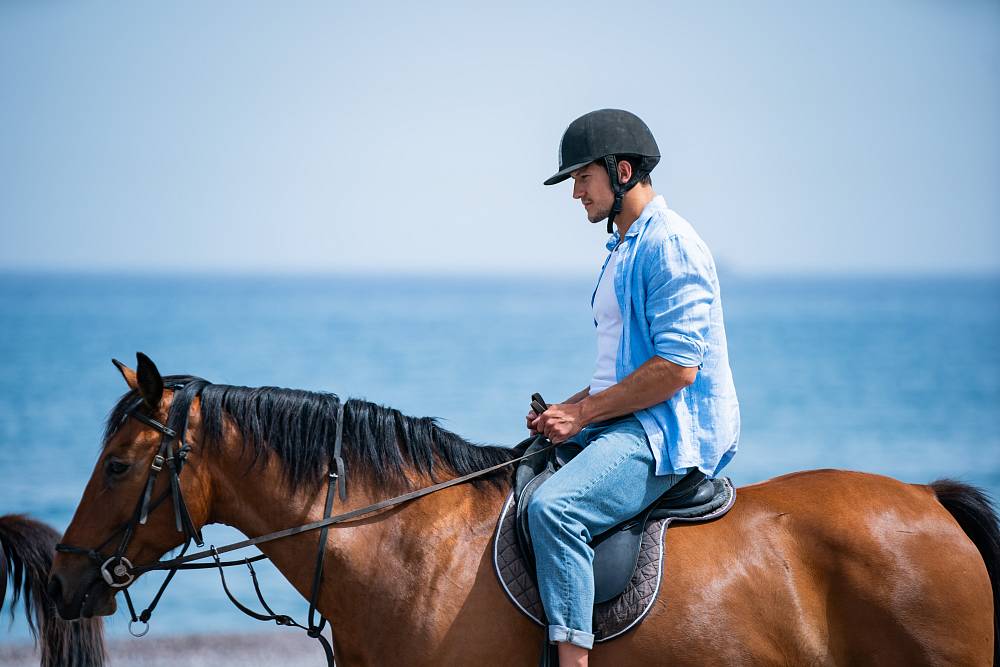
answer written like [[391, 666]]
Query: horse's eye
[[117, 467]]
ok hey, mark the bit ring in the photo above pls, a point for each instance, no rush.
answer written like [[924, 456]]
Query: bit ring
[[121, 570]]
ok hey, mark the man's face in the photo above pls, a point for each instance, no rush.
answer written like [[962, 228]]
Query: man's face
[[592, 188]]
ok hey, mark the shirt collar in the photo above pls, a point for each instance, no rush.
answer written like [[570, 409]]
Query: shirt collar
[[657, 203]]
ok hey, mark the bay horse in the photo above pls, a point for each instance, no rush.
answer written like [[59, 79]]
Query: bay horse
[[26, 550], [822, 567]]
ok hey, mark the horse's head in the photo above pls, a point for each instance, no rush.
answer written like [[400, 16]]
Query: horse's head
[[128, 511]]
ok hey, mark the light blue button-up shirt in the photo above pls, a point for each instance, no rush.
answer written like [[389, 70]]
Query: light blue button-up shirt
[[668, 292]]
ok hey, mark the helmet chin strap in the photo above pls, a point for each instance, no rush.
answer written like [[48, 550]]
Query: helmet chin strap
[[618, 187], [612, 165]]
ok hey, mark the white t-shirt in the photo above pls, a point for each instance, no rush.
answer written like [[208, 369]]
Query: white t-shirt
[[608, 315]]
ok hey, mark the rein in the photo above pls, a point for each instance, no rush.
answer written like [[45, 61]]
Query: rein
[[184, 562], [119, 573]]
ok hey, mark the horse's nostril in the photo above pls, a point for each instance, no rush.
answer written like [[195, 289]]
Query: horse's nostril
[[55, 588]]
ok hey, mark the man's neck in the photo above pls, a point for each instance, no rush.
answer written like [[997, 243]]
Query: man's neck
[[635, 201]]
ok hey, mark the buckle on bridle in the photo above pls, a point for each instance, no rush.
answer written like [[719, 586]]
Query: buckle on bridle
[[157, 463], [121, 569]]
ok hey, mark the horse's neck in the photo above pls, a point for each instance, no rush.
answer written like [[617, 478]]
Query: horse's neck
[[378, 569]]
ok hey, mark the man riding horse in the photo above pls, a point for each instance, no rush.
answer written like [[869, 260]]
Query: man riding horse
[[661, 402]]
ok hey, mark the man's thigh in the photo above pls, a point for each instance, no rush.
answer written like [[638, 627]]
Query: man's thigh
[[612, 479]]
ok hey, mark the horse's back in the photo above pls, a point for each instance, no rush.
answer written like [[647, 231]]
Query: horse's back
[[821, 567]]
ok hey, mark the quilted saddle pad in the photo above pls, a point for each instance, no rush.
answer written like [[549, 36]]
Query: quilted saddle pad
[[611, 618]]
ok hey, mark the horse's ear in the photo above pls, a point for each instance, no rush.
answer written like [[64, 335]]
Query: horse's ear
[[150, 382], [127, 373]]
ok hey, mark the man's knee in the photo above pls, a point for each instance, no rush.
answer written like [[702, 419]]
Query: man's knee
[[545, 509]]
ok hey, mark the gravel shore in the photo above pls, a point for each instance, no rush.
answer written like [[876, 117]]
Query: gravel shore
[[289, 649]]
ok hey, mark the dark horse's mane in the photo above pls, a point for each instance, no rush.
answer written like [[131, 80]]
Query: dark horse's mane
[[299, 427], [26, 549]]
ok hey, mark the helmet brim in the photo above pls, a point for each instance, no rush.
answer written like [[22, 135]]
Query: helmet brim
[[563, 174]]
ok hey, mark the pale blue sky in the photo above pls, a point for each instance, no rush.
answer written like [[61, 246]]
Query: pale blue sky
[[336, 136]]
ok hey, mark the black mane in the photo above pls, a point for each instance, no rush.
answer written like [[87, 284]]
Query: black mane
[[299, 427]]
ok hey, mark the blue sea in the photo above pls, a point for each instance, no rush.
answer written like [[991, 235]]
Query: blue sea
[[899, 376]]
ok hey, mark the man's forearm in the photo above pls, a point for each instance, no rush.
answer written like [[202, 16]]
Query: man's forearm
[[653, 382], [579, 396]]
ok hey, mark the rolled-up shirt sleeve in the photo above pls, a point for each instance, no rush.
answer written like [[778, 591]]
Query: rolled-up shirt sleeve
[[680, 290]]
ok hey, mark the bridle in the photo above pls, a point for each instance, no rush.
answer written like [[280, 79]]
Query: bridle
[[116, 569], [119, 573]]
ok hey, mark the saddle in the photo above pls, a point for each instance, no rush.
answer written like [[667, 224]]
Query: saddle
[[616, 552], [628, 559]]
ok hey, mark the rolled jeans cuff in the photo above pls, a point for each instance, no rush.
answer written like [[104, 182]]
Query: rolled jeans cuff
[[560, 633]]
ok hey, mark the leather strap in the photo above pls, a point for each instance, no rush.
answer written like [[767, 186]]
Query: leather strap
[[335, 478], [619, 188], [155, 467], [338, 459], [152, 423], [611, 163]]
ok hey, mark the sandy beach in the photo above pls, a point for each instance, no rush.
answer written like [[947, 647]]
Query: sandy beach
[[288, 649]]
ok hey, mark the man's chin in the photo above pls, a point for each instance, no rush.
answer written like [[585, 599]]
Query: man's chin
[[594, 219]]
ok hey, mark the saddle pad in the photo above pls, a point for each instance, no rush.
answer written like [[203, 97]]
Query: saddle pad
[[615, 616]]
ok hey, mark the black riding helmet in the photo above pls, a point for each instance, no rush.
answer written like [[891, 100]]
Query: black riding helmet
[[607, 134]]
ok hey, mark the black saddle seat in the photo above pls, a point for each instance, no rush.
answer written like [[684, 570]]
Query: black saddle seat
[[616, 551], [693, 490]]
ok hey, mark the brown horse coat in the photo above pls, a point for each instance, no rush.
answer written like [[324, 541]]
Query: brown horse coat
[[815, 568]]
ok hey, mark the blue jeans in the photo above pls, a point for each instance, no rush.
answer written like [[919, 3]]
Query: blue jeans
[[612, 479]]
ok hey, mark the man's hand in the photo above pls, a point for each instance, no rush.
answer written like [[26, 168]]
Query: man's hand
[[530, 418], [559, 423]]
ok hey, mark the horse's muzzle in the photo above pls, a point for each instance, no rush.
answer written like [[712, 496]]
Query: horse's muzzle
[[86, 597]]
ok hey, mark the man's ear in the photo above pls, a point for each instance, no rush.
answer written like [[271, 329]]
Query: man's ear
[[625, 170], [149, 380]]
